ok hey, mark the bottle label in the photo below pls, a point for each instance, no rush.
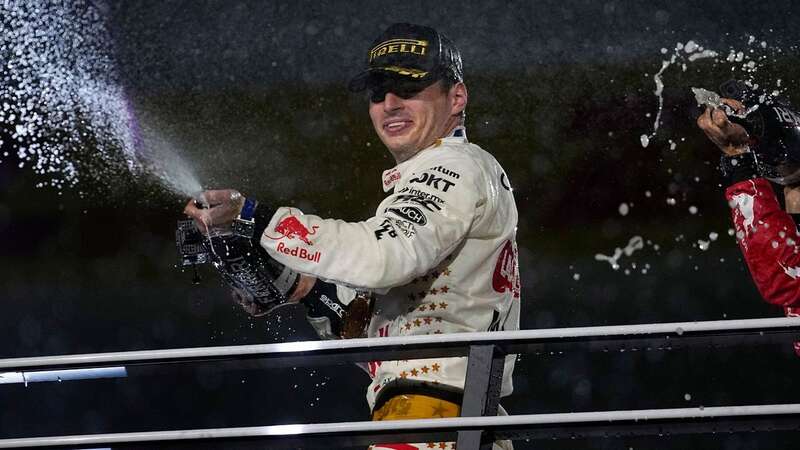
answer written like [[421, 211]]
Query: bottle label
[[787, 117]]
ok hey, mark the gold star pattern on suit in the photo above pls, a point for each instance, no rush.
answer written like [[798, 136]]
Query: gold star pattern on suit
[[444, 289], [435, 367]]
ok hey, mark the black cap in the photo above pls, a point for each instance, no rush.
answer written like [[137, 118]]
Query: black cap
[[414, 52]]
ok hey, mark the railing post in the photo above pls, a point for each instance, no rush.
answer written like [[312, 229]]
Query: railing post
[[481, 393]]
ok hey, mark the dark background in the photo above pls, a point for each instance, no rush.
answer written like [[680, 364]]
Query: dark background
[[253, 94]]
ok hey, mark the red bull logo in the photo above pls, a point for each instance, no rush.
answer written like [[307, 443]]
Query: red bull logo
[[292, 228], [299, 252]]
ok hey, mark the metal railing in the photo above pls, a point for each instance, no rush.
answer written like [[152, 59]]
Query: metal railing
[[479, 425]]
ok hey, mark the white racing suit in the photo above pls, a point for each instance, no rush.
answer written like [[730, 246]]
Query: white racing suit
[[440, 255]]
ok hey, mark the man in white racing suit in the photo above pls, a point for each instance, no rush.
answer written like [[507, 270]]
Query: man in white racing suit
[[438, 256]]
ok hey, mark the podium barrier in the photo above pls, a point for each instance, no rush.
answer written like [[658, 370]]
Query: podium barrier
[[478, 425]]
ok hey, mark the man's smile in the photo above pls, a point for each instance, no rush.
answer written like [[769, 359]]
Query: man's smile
[[395, 127]]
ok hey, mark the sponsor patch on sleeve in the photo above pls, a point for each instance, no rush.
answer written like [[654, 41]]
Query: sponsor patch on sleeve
[[386, 229], [437, 182], [410, 213], [427, 203], [390, 178], [407, 228], [291, 228], [390, 227]]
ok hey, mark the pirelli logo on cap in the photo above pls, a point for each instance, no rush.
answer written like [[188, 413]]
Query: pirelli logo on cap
[[415, 46]]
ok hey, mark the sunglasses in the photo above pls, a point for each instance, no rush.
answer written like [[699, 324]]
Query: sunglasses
[[404, 89]]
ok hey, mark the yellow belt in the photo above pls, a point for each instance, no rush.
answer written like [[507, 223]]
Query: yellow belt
[[413, 406]]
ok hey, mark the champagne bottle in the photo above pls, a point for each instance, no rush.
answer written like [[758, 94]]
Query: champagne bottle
[[237, 255], [250, 270], [774, 130]]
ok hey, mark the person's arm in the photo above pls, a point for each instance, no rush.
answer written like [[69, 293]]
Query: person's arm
[[767, 235], [768, 238], [411, 233], [259, 284], [791, 196]]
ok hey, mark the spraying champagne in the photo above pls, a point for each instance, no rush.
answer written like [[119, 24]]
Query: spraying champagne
[[773, 127], [235, 252]]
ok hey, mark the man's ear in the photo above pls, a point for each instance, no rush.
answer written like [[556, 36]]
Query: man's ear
[[458, 98]]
